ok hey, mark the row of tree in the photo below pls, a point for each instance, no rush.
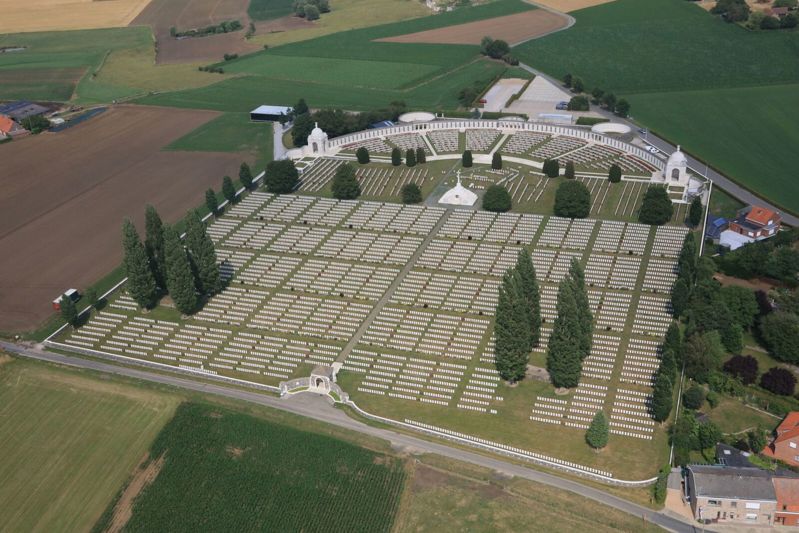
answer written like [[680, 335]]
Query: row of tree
[[620, 107], [337, 122], [518, 319], [570, 342], [163, 265]]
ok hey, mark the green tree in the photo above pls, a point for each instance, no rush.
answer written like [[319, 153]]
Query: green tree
[[597, 434], [709, 435], [668, 364], [362, 154], [564, 357], [410, 157], [686, 263], [572, 200], [301, 107], [141, 282], [466, 159], [578, 103], [705, 268], [69, 313], [281, 176], [694, 397], [179, 278], [496, 161], [695, 212], [511, 330], [596, 95], [732, 336], [568, 173], [345, 185], [756, 439], [567, 80], [673, 342], [780, 331], [531, 293], [301, 129], [609, 101], [703, 353], [614, 173], [411, 194], [551, 168], [497, 49], [91, 296], [577, 85], [154, 243], [311, 12], [228, 190], [497, 199], [202, 256], [662, 398], [211, 202], [586, 319], [622, 108], [245, 176], [396, 157], [680, 296], [421, 156], [656, 209], [660, 488]]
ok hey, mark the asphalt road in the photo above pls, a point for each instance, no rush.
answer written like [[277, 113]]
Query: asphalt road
[[720, 180], [319, 408]]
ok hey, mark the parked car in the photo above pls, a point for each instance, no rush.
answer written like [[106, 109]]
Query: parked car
[[562, 106], [653, 149], [643, 131]]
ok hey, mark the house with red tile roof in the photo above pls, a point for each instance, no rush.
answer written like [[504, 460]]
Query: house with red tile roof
[[752, 223], [9, 128], [787, 491], [785, 445]]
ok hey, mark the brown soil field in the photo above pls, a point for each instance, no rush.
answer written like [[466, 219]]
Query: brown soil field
[[63, 197], [54, 15], [512, 28], [566, 6], [283, 24], [187, 14]]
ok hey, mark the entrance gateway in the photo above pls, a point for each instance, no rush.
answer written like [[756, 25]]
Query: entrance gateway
[[321, 381]]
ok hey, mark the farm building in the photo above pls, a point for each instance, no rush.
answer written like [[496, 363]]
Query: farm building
[[9, 128], [269, 113], [21, 110]]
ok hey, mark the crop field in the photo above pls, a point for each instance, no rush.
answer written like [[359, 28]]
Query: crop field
[[225, 470], [270, 9], [63, 220], [53, 15], [731, 109], [69, 442]]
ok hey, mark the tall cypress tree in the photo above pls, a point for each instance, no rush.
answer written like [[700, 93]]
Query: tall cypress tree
[[229, 190], [179, 279], [662, 397], [673, 342], [586, 318], [202, 255], [597, 434], [245, 175], [141, 282], [69, 313], [564, 355], [211, 202], [511, 330], [531, 294], [154, 244]]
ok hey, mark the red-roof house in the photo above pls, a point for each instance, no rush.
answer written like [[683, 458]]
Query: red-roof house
[[9, 128], [785, 445], [787, 490], [756, 223]]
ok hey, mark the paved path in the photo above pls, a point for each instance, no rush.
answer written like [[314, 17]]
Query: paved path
[[319, 408], [278, 150], [697, 166]]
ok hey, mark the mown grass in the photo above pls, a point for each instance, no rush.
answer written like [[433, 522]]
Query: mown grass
[[269, 9], [69, 443], [732, 416], [225, 470], [231, 132]]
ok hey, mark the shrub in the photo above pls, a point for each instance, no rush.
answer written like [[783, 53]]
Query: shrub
[[410, 157], [743, 367], [780, 331], [597, 434], [656, 208], [311, 13], [694, 397], [411, 194], [466, 159], [497, 199], [578, 103], [421, 157], [496, 161], [779, 381], [551, 168], [769, 23], [577, 85], [567, 80], [614, 173], [362, 154], [789, 21], [713, 399], [572, 200], [568, 173], [396, 157], [281, 177], [345, 185]]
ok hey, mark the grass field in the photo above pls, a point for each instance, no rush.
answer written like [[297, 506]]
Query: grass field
[[227, 470], [731, 108], [68, 444], [269, 9], [453, 498], [231, 132]]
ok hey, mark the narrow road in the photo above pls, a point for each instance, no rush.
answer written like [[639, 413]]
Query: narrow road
[[720, 180], [319, 408]]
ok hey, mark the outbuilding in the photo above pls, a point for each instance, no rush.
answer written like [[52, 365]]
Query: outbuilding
[[269, 113]]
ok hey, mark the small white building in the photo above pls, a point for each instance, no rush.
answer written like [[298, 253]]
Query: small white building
[[458, 195]]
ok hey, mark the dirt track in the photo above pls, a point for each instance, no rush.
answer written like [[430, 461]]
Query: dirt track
[[63, 197], [161, 15], [511, 28]]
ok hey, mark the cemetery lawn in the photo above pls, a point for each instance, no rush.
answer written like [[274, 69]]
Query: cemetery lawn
[[230, 132], [293, 478], [732, 416], [733, 109], [70, 442]]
